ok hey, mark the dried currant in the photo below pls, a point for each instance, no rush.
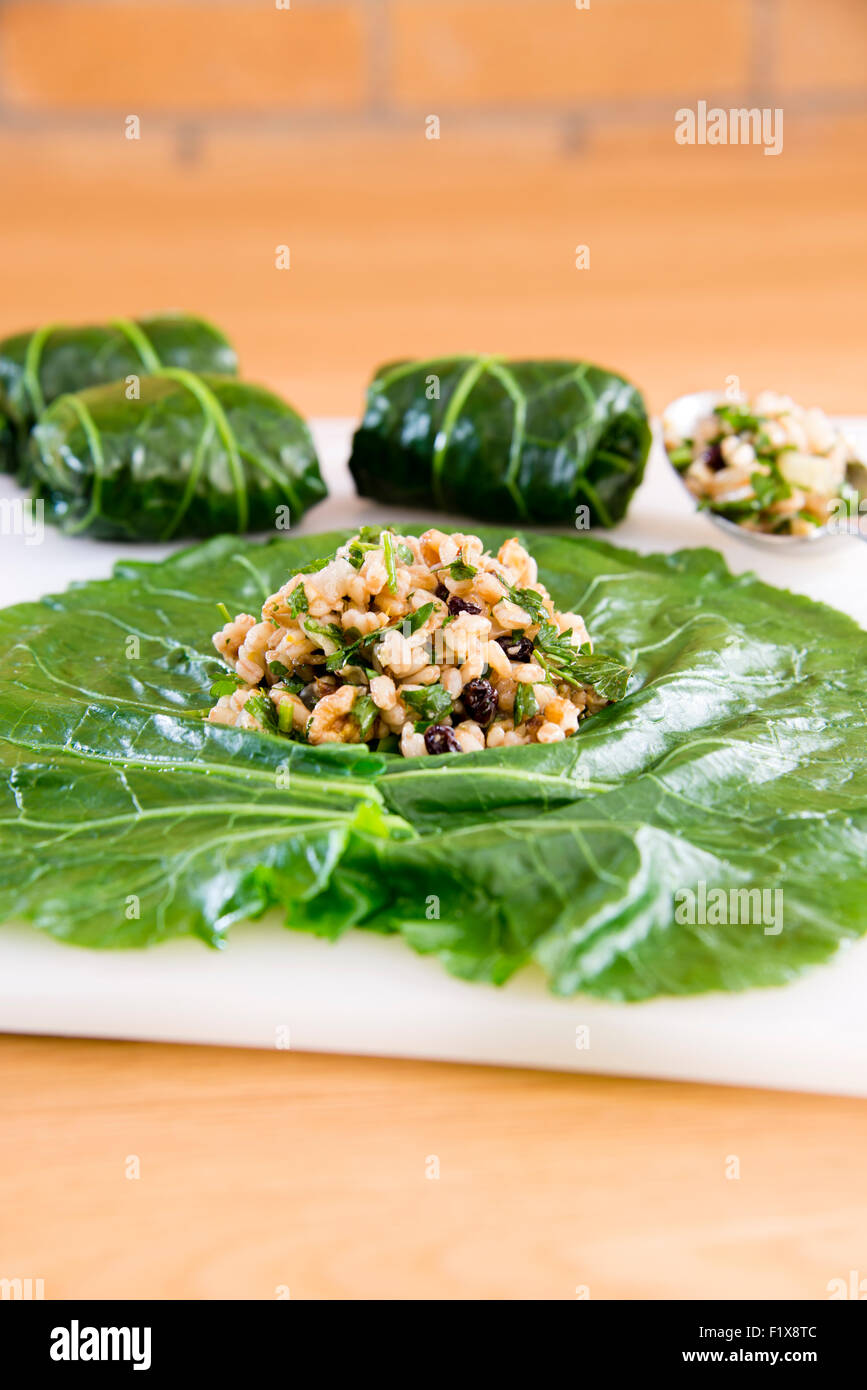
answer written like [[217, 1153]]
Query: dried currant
[[462, 605], [439, 738], [517, 648], [480, 700]]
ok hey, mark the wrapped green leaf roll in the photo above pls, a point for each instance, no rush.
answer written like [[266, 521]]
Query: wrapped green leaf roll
[[503, 441], [189, 456], [37, 367]]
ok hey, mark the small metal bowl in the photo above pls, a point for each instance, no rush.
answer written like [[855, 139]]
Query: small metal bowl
[[682, 416]]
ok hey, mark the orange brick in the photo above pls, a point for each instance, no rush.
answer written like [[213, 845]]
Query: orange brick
[[822, 45], [99, 56], [462, 245], [493, 52]]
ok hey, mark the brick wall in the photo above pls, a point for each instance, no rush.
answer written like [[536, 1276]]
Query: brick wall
[[365, 63], [305, 126]]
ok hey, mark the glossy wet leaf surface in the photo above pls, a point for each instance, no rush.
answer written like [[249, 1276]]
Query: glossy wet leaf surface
[[504, 441], [190, 455], [38, 366], [738, 759]]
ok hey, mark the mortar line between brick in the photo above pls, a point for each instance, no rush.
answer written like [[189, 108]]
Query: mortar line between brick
[[762, 75], [591, 116], [378, 55]]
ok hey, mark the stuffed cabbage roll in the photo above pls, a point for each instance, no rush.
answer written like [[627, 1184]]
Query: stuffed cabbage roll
[[37, 367], [7, 446], [503, 441], [189, 456]]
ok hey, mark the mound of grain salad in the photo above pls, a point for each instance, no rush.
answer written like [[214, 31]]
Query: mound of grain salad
[[767, 464], [422, 645]]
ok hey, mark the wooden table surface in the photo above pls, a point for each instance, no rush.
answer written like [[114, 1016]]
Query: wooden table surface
[[261, 1172]]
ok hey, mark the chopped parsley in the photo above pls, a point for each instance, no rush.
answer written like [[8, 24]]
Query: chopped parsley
[[262, 708], [458, 569], [531, 602], [357, 551], [741, 420], [311, 567], [419, 617], [298, 600], [329, 630], [353, 651], [226, 684], [579, 666], [430, 702], [292, 683], [770, 488], [365, 712], [526, 704]]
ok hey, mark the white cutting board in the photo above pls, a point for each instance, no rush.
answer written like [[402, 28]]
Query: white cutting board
[[370, 994]]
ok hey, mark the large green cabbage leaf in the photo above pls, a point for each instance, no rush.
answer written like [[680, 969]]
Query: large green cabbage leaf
[[738, 759], [503, 441]]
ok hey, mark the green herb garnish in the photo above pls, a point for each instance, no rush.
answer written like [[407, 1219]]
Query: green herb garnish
[[681, 457], [311, 567], [742, 421], [298, 600], [526, 704], [531, 602], [291, 683], [770, 488], [357, 552], [286, 723], [419, 617], [388, 551], [329, 630], [226, 685], [262, 708], [355, 649], [459, 569], [430, 702], [579, 666], [365, 713]]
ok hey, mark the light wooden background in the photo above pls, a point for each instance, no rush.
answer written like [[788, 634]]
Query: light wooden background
[[266, 1170]]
